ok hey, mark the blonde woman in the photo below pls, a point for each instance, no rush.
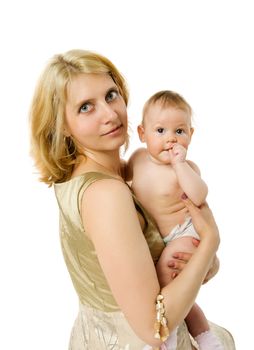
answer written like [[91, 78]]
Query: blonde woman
[[110, 244]]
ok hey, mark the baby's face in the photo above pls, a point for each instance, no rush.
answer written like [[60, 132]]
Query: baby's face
[[163, 128]]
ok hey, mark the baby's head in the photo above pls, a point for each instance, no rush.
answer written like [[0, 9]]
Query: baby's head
[[166, 121], [166, 99]]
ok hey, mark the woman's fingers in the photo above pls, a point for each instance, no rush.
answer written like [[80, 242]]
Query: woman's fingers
[[202, 218], [195, 242], [185, 257], [188, 202], [174, 275], [180, 261]]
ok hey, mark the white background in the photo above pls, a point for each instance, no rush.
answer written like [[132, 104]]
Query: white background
[[202, 49]]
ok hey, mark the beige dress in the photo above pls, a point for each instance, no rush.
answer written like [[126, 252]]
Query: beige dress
[[100, 324]]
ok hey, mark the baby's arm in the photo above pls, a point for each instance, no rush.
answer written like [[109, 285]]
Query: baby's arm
[[188, 176], [190, 181]]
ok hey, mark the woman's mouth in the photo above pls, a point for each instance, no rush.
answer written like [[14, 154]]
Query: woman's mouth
[[114, 131]]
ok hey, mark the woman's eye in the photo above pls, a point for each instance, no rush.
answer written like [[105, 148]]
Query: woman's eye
[[160, 130], [112, 95], [85, 108], [179, 131]]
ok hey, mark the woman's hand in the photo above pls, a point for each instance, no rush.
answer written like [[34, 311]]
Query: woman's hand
[[203, 220], [180, 259], [205, 225]]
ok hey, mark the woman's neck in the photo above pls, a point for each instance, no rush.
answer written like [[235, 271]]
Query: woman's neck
[[106, 163]]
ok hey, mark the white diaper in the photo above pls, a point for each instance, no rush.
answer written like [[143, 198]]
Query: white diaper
[[184, 230]]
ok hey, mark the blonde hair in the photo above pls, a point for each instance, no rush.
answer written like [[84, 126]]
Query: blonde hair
[[167, 98], [55, 154]]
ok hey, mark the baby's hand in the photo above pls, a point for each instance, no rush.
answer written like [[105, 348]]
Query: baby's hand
[[178, 154]]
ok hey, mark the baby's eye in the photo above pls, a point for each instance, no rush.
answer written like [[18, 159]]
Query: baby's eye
[[85, 108], [112, 95], [179, 131], [160, 130]]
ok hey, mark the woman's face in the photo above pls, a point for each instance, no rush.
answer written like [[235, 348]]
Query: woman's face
[[96, 114]]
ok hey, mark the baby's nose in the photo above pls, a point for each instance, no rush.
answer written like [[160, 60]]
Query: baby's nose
[[171, 138]]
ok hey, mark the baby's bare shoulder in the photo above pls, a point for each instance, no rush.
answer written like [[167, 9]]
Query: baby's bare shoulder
[[138, 154]]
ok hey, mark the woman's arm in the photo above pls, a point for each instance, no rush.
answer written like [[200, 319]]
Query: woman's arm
[[190, 278], [112, 224]]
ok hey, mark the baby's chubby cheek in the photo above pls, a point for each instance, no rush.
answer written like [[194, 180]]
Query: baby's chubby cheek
[[166, 156]]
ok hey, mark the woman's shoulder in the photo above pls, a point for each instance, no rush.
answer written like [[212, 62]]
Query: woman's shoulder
[[102, 188], [87, 177], [74, 188]]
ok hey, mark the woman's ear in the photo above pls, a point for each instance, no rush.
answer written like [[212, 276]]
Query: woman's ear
[[141, 133]]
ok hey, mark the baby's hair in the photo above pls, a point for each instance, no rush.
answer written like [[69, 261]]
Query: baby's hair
[[167, 98]]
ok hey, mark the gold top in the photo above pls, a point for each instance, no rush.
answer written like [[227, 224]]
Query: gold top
[[78, 250]]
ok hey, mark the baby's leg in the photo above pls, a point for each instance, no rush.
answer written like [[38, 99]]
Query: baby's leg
[[196, 321], [199, 328]]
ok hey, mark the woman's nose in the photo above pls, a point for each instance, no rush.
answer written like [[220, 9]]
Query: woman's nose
[[109, 113]]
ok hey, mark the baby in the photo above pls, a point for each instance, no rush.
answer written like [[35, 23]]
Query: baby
[[160, 175]]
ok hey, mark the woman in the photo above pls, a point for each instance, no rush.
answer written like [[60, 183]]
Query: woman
[[110, 244]]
